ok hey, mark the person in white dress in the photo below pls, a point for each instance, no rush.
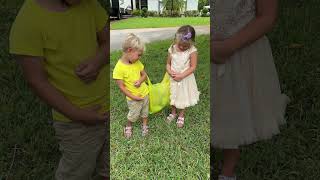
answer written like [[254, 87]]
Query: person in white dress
[[181, 64], [247, 102]]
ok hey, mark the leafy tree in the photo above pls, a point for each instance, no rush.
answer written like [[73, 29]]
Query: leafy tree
[[202, 3], [174, 5]]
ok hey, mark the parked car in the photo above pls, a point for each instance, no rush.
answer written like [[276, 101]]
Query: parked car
[[118, 8], [128, 10]]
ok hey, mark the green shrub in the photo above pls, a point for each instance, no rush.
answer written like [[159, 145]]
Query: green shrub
[[164, 13], [204, 12], [175, 14], [144, 12], [153, 13], [169, 13], [192, 13], [136, 12]]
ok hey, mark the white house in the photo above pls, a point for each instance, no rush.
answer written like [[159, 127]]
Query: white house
[[157, 5], [191, 5]]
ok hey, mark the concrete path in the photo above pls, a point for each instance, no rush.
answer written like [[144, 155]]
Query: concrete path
[[149, 34]]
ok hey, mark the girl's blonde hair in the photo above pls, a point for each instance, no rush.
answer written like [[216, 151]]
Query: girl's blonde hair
[[185, 34], [134, 42]]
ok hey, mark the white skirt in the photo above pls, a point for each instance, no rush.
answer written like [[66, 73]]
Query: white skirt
[[247, 102], [184, 93]]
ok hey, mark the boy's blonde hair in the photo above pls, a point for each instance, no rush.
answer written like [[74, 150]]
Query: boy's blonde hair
[[134, 42]]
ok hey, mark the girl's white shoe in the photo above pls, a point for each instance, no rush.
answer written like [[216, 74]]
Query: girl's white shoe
[[180, 122], [221, 177], [221, 68], [171, 117]]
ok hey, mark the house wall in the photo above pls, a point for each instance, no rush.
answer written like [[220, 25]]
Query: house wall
[[153, 5], [192, 5], [134, 4]]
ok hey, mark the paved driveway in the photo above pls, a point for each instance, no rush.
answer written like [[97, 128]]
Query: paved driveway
[[148, 34]]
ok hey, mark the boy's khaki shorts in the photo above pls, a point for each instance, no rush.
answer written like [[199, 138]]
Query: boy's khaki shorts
[[84, 151], [138, 109]]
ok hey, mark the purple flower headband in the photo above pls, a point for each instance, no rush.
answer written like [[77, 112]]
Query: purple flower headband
[[186, 36]]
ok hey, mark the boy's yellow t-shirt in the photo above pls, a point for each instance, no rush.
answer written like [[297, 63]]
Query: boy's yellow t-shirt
[[130, 73], [64, 39]]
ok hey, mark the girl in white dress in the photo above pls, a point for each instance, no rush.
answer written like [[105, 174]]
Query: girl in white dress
[[181, 63], [248, 105]]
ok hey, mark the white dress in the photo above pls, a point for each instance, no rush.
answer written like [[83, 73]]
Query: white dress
[[185, 92], [247, 102]]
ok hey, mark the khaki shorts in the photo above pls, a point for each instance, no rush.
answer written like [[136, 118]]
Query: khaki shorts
[[84, 151], [138, 109]]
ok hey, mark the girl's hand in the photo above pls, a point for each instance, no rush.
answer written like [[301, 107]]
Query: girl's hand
[[222, 50], [178, 77], [172, 73], [137, 84]]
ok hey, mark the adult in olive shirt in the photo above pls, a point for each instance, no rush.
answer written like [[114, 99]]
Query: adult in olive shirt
[[62, 48]]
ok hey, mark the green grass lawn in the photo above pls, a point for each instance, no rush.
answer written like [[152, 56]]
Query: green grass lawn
[[168, 152], [295, 153], [158, 22]]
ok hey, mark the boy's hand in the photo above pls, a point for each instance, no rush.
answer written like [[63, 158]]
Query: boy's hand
[[178, 77], [88, 71], [91, 115], [137, 84], [137, 98]]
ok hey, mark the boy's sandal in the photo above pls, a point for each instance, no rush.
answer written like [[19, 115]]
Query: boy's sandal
[[170, 118], [180, 122], [145, 130], [127, 131]]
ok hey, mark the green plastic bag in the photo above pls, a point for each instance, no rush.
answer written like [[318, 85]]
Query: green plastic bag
[[159, 94]]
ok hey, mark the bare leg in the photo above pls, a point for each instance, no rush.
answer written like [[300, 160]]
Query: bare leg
[[182, 112], [128, 129], [231, 158], [145, 121], [173, 110], [145, 128], [129, 123]]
